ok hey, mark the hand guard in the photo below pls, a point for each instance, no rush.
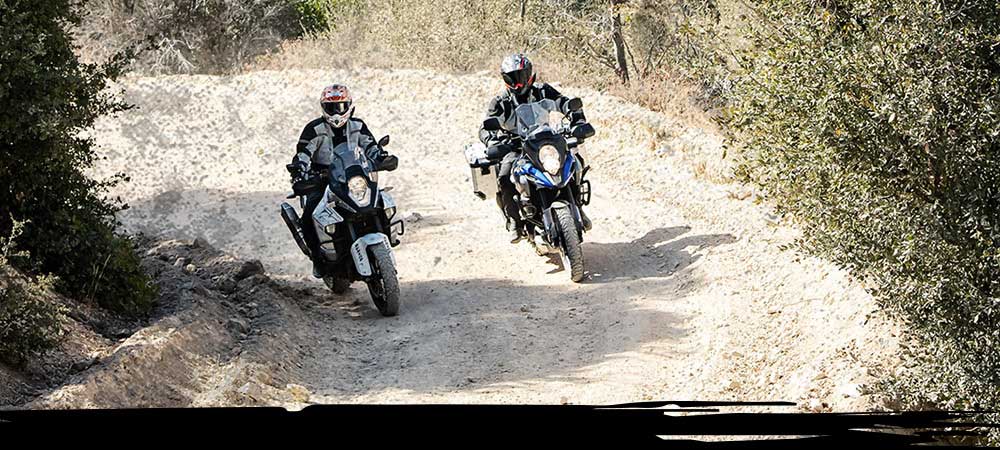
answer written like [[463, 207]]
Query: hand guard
[[496, 152], [296, 170]]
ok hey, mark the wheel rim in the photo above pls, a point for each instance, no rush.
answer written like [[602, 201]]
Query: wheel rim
[[376, 287]]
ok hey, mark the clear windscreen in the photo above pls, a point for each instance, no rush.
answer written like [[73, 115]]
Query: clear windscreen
[[345, 158], [532, 116]]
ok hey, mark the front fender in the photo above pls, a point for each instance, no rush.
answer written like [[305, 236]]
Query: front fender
[[552, 228], [360, 254]]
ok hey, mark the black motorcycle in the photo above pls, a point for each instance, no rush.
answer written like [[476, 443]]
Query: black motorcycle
[[355, 224]]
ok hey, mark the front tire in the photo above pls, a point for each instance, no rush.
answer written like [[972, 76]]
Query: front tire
[[383, 285], [572, 253]]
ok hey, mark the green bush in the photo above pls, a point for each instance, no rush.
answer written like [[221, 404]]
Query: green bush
[[29, 325], [209, 36], [49, 98], [876, 124]]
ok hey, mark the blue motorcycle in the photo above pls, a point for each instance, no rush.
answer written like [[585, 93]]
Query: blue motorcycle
[[549, 178]]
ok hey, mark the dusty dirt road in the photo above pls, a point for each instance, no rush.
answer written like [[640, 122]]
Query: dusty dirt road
[[688, 296]]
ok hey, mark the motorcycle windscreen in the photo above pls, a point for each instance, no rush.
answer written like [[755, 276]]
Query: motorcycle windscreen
[[532, 116], [344, 158]]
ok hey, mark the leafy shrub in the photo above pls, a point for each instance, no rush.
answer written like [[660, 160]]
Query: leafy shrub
[[876, 123], [28, 324], [49, 98], [211, 36]]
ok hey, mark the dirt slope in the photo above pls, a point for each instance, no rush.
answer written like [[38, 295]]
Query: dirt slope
[[689, 295]]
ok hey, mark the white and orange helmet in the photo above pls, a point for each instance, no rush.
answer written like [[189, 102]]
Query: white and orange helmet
[[337, 104]]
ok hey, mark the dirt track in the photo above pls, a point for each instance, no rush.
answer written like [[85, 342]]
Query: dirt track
[[689, 296]]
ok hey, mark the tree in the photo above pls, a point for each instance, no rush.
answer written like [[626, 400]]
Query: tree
[[49, 99]]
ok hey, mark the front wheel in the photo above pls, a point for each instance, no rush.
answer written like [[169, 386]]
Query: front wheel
[[383, 285], [572, 253]]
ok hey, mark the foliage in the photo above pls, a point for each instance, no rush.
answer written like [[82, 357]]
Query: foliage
[[875, 123], [50, 98], [209, 36], [28, 323]]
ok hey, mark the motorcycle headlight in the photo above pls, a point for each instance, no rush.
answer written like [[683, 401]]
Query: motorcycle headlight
[[357, 186], [549, 157], [390, 212]]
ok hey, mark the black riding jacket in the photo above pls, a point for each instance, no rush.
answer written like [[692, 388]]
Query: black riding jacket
[[318, 139], [502, 107]]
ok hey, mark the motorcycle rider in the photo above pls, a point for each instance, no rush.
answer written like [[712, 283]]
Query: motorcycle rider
[[315, 151], [521, 87]]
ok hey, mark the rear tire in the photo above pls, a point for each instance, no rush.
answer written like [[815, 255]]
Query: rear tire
[[337, 285], [383, 284], [571, 250]]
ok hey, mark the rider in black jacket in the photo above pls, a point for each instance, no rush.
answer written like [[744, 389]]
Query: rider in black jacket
[[519, 77], [314, 153]]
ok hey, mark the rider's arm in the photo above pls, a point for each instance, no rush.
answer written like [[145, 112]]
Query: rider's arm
[[368, 143], [549, 92], [493, 109], [306, 147]]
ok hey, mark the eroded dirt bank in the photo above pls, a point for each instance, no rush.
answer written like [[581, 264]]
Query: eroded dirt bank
[[689, 295]]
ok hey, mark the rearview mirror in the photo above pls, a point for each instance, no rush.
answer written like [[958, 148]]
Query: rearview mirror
[[574, 104], [491, 124], [384, 141], [389, 163]]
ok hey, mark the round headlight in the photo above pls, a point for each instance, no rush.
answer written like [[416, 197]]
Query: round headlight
[[549, 157], [357, 186]]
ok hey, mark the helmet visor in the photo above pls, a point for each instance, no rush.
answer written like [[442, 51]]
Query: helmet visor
[[336, 108], [517, 79]]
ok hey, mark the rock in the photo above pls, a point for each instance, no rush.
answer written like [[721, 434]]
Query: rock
[[850, 390], [201, 290], [226, 285], [238, 325], [180, 262], [248, 269], [251, 390], [413, 217], [190, 268], [200, 243], [83, 364], [815, 405], [524, 308], [299, 393], [250, 282]]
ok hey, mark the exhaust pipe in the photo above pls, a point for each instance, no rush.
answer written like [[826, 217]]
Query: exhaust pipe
[[291, 219]]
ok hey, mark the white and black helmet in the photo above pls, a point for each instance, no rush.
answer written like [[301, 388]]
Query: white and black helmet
[[337, 104]]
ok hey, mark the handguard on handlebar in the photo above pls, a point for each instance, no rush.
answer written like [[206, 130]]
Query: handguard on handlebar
[[498, 151], [583, 131]]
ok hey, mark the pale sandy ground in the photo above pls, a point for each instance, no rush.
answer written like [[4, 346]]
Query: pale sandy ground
[[689, 295]]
